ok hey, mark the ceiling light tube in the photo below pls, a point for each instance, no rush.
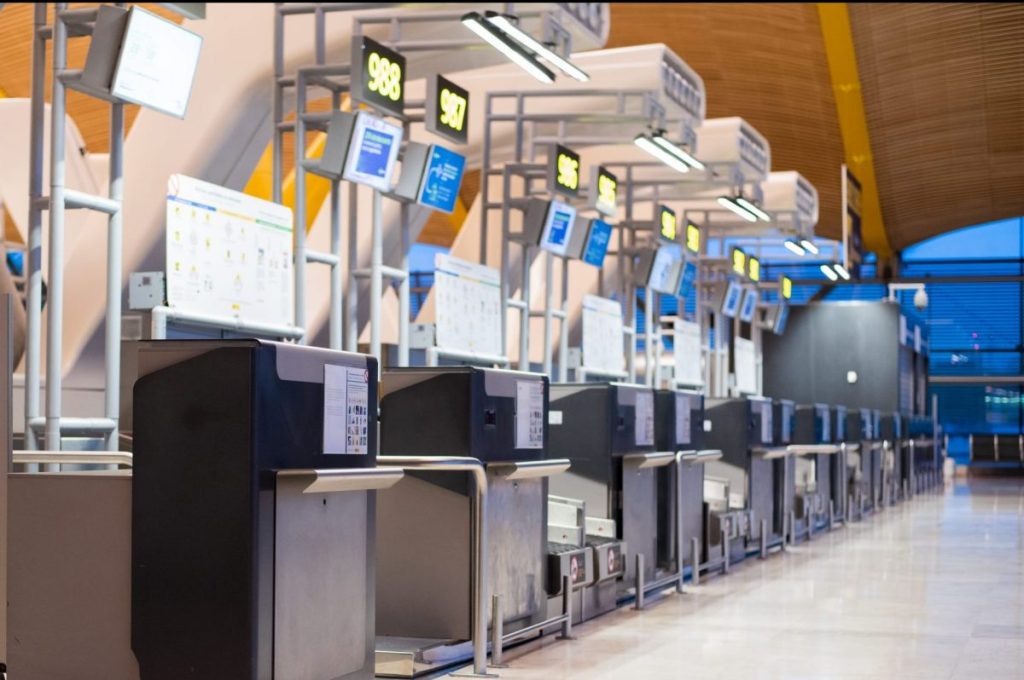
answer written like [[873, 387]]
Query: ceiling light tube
[[678, 152], [499, 41], [793, 247], [809, 246], [841, 270], [750, 207], [827, 271], [645, 143], [727, 202], [537, 47]]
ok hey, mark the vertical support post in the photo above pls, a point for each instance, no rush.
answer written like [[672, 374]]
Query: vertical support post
[[566, 609], [563, 331], [404, 305], [479, 574], [850, 507], [115, 224], [639, 604], [55, 297], [34, 256], [277, 150], [727, 524], [300, 204], [679, 539], [335, 315], [524, 314], [650, 301], [764, 538], [831, 514], [6, 426], [497, 631], [695, 560], [351, 284], [549, 304], [377, 276]]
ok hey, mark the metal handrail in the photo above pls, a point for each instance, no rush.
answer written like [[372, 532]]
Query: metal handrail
[[812, 449], [352, 479], [479, 476], [650, 460], [532, 469], [435, 353], [72, 458], [771, 453]]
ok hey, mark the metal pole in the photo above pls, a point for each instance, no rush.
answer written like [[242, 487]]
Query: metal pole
[[679, 522], [549, 304], [639, 604], [831, 515], [566, 609], [404, 305], [695, 560], [34, 256], [6, 426], [376, 275], [278, 107], [300, 204], [115, 223], [55, 298], [727, 523], [496, 631], [351, 285], [563, 331], [335, 316], [650, 300], [524, 314], [764, 538]]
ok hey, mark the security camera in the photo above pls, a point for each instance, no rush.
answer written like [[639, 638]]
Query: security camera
[[921, 299]]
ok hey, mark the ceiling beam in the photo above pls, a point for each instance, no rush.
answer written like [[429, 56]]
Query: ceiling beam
[[853, 123]]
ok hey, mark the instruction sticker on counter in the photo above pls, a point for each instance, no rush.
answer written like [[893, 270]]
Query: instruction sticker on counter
[[644, 418], [682, 419], [529, 414], [346, 410]]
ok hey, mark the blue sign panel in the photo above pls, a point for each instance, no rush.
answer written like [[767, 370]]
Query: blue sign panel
[[686, 280], [597, 243], [442, 179]]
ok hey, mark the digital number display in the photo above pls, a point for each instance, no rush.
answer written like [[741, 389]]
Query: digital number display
[[381, 80], [754, 268], [565, 171], [447, 111], [667, 223], [786, 287], [604, 191], [692, 237], [739, 262]]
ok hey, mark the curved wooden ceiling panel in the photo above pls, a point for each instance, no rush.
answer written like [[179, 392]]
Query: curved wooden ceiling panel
[[943, 88], [764, 62]]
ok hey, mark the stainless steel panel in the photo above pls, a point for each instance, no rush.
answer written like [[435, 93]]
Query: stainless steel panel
[[517, 526], [692, 499], [762, 494], [321, 583], [640, 518]]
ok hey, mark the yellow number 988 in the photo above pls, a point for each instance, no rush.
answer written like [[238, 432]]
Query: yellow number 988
[[385, 77]]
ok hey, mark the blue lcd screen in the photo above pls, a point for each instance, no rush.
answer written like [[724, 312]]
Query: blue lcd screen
[[442, 179], [732, 299], [559, 233], [687, 279], [597, 243], [374, 153], [780, 322]]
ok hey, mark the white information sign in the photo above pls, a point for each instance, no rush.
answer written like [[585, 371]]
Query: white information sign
[[682, 419], [529, 414], [346, 406], [157, 63], [468, 306], [603, 346], [228, 254], [746, 366], [644, 418], [687, 354]]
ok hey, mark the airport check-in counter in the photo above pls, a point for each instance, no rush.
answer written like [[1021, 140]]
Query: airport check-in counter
[[814, 455], [841, 467], [864, 463], [607, 430], [679, 428], [784, 414], [741, 428], [896, 448], [253, 511], [425, 607]]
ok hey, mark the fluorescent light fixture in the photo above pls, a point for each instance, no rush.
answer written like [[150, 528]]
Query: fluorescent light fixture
[[827, 271], [499, 41], [809, 246], [750, 207], [537, 47], [645, 143], [727, 202], [793, 247], [841, 270], [677, 151]]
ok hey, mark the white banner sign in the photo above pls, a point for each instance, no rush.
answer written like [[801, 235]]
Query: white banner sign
[[228, 254], [468, 306], [746, 366], [687, 354], [603, 346]]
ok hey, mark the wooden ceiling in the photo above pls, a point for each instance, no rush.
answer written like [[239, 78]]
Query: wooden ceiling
[[943, 88]]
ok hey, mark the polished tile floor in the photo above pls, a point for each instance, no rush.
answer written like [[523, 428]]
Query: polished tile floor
[[932, 589]]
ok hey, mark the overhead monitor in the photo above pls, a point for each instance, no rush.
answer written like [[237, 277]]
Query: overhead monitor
[[372, 151], [156, 66], [667, 224], [558, 226], [738, 258], [447, 110], [785, 287], [754, 269], [664, 271], [442, 178], [687, 279], [731, 299], [596, 246], [378, 76], [750, 300], [604, 187], [564, 171], [693, 238]]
